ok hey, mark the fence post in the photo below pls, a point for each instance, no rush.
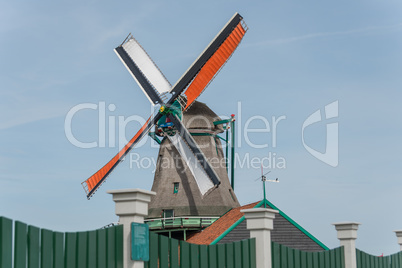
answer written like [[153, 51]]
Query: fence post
[[131, 206], [399, 236], [260, 222], [347, 234]]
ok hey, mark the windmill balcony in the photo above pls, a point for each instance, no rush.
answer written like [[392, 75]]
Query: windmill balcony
[[180, 222]]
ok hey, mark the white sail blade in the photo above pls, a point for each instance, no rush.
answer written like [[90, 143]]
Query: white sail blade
[[203, 181], [146, 65]]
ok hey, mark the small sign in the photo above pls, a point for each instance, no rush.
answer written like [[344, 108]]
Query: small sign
[[139, 242]]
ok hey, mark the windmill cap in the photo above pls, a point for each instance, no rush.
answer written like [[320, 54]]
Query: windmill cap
[[200, 116]]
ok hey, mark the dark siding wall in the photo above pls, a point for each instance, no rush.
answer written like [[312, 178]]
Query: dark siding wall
[[238, 233], [284, 233], [287, 234]]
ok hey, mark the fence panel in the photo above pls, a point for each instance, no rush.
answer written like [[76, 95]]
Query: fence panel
[[46, 252], [33, 246], [220, 254], [71, 243], [237, 254], [6, 228], [252, 254], [119, 245], [101, 248], [396, 260], [171, 253], [245, 246], [41, 248], [327, 259], [81, 247], [203, 256], [91, 248], [365, 260], [164, 251], [297, 259], [153, 250], [184, 255], [20, 245], [212, 256], [110, 248], [285, 257], [174, 253], [229, 255], [58, 250]]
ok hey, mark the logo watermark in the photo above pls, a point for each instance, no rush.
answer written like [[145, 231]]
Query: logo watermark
[[270, 161], [330, 156], [111, 132], [109, 124]]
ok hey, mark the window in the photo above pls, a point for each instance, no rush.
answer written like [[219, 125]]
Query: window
[[175, 187], [168, 213]]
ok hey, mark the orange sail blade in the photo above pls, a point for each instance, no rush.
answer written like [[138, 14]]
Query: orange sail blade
[[93, 182], [215, 63]]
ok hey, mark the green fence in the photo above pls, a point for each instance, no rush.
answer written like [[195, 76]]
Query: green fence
[[365, 260], [29, 246], [167, 252], [284, 257]]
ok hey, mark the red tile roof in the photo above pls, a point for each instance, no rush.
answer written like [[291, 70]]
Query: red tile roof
[[209, 234]]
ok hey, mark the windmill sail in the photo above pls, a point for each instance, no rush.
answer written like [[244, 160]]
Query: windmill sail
[[214, 64], [207, 65], [202, 171], [143, 69], [192, 83], [203, 181], [93, 182]]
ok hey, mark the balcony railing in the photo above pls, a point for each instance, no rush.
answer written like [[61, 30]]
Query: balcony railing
[[180, 222]]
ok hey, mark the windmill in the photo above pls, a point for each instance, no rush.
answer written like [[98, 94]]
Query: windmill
[[170, 101]]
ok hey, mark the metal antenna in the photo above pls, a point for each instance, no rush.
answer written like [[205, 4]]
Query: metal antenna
[[264, 179]]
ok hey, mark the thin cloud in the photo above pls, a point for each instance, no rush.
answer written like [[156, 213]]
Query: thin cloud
[[93, 21], [19, 107], [26, 115], [366, 31]]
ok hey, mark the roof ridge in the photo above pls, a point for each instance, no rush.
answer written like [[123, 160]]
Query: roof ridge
[[218, 235]]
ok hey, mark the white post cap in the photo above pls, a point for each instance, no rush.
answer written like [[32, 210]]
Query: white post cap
[[131, 201], [259, 218], [399, 236], [347, 230]]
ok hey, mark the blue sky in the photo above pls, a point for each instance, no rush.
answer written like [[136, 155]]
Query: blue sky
[[296, 58]]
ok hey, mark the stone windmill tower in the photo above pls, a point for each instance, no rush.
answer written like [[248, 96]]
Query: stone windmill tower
[[177, 194]]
